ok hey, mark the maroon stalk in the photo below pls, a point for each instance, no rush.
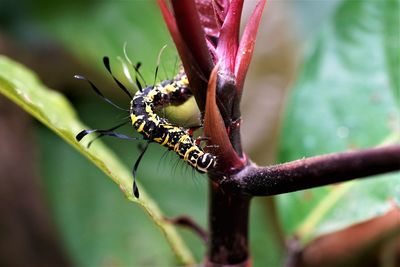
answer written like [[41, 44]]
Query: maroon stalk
[[228, 228], [205, 33], [228, 213], [315, 171]]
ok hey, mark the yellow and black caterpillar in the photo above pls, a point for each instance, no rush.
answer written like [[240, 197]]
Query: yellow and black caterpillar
[[160, 130], [154, 128]]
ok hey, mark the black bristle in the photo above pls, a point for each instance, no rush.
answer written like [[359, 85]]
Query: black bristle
[[106, 62], [81, 134]]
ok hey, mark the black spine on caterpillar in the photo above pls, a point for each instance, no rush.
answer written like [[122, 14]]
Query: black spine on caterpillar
[[157, 129]]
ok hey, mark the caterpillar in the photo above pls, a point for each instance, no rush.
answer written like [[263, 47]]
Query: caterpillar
[[160, 130], [153, 127]]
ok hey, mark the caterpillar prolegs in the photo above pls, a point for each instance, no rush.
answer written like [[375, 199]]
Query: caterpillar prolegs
[[155, 128]]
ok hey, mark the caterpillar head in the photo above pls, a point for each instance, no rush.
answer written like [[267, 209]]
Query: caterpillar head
[[205, 162]]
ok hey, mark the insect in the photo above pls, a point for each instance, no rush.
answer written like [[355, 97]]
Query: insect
[[153, 127]]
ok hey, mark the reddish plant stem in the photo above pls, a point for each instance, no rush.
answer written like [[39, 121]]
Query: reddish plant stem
[[191, 29], [190, 224], [228, 228], [313, 172]]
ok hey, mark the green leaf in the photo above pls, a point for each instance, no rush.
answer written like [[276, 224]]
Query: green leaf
[[347, 97], [54, 111]]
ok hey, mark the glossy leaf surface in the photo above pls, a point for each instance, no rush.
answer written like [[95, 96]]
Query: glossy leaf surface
[[345, 98]]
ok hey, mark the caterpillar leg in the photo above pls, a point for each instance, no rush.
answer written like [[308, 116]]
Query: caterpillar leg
[[200, 139]]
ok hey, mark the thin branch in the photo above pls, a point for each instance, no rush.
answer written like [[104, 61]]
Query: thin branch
[[313, 172], [189, 223]]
